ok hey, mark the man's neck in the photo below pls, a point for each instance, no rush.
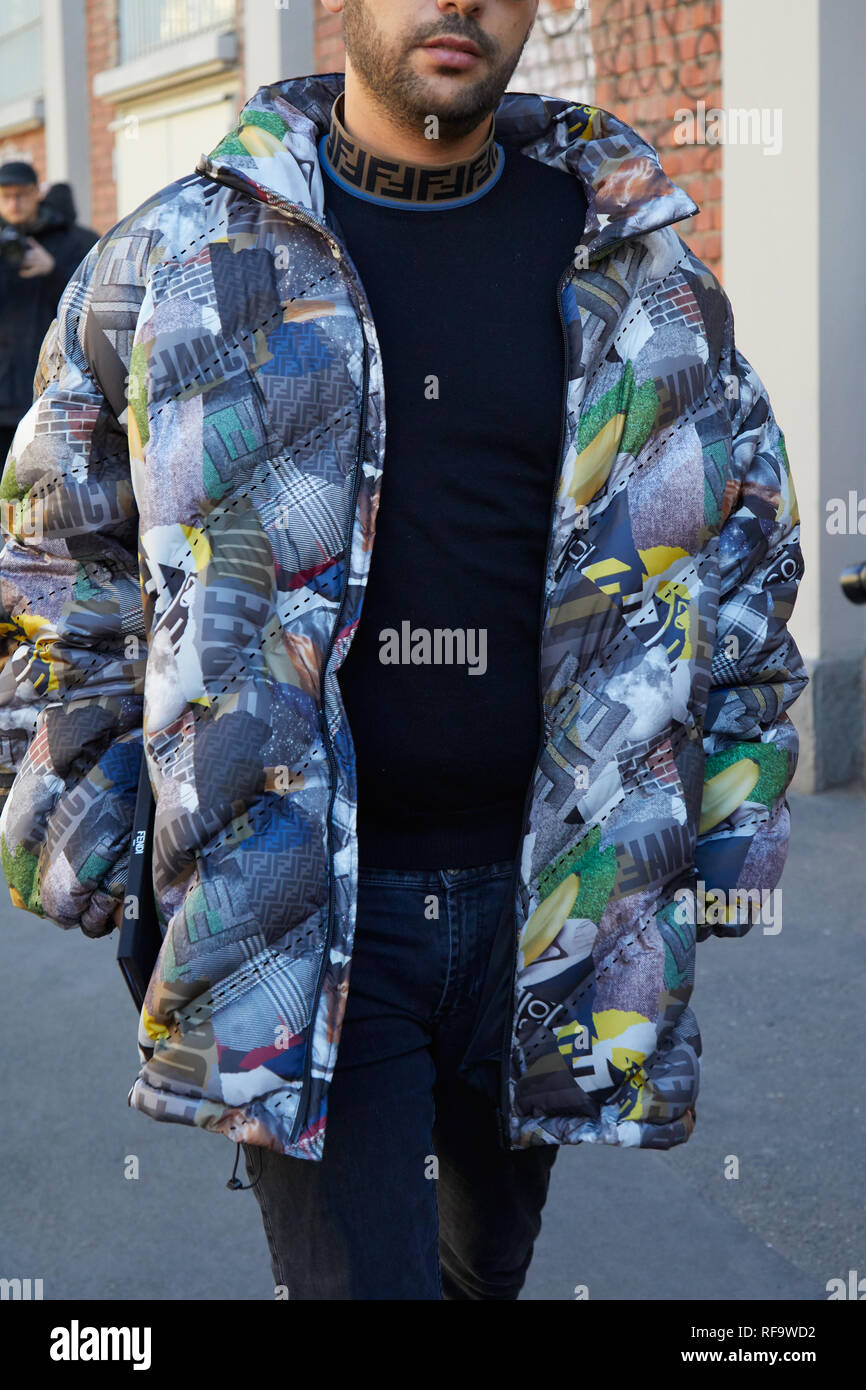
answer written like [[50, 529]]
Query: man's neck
[[378, 177], [368, 123]]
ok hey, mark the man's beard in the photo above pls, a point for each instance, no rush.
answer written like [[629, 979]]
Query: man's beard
[[404, 94]]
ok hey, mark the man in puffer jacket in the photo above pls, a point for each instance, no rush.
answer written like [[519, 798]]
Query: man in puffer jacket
[[435, 830]]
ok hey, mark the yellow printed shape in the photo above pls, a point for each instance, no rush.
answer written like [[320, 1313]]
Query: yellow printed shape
[[657, 559], [678, 599], [592, 466], [611, 1023], [260, 142], [199, 545], [604, 569], [32, 623], [614, 1026], [153, 1029], [726, 791], [546, 922]]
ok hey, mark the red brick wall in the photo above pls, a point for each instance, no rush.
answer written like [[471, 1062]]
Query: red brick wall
[[28, 145], [329, 54], [103, 51], [653, 57]]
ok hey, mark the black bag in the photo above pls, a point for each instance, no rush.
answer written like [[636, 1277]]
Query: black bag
[[140, 936]]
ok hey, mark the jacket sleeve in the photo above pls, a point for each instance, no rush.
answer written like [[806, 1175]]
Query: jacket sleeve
[[750, 742], [71, 688], [71, 251]]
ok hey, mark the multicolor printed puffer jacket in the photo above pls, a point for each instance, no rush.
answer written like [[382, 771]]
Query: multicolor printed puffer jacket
[[189, 509]]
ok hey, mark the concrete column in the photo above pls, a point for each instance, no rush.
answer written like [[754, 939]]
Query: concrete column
[[278, 41], [64, 81], [793, 227]]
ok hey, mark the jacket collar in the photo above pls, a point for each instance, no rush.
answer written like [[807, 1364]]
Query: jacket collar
[[272, 153]]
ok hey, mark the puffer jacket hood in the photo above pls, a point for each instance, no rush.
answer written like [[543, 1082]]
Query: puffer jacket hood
[[190, 506]]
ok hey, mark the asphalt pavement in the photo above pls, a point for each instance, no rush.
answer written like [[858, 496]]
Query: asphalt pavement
[[781, 1103]]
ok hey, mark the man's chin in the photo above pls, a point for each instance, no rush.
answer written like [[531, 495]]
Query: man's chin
[[458, 107]]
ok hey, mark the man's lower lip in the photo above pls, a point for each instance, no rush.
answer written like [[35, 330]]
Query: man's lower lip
[[451, 57]]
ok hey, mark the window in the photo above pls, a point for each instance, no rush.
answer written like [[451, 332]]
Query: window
[[149, 24], [20, 49]]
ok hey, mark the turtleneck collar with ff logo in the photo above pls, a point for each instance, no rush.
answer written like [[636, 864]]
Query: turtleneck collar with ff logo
[[377, 178]]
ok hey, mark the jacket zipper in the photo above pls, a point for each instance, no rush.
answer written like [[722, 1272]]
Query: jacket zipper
[[332, 762], [298, 214], [303, 1103], [502, 1113]]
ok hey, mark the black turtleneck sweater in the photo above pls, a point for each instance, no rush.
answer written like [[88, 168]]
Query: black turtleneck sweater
[[464, 300]]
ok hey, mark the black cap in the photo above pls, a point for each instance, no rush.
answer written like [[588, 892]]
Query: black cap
[[17, 171]]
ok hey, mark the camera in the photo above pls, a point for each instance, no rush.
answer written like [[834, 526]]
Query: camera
[[13, 246]]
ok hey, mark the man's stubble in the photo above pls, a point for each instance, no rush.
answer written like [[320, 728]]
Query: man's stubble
[[403, 94]]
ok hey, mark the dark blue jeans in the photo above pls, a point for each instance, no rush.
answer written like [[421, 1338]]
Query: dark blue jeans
[[414, 1197]]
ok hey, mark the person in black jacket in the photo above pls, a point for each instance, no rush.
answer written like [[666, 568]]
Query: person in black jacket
[[40, 247]]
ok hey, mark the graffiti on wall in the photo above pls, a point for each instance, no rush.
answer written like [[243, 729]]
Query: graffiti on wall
[[671, 66], [643, 51]]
